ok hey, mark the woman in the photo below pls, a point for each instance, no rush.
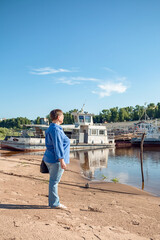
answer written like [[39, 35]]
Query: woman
[[56, 155]]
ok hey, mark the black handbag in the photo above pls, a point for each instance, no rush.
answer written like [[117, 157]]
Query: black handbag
[[43, 167]]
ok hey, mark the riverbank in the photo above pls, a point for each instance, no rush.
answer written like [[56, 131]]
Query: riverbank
[[102, 211]]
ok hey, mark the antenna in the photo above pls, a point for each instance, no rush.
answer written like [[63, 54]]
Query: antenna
[[82, 108]]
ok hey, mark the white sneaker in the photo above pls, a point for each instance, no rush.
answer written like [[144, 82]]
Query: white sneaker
[[61, 206]]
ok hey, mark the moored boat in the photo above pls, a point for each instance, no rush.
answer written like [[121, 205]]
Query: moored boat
[[25, 142], [83, 135], [152, 137]]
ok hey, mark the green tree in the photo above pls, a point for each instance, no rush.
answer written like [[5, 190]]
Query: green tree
[[138, 113], [123, 115], [98, 118], [114, 114], [157, 111], [151, 110], [37, 121], [106, 115], [129, 111], [68, 118]]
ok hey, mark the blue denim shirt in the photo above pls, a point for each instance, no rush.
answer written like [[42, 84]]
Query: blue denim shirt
[[57, 144]]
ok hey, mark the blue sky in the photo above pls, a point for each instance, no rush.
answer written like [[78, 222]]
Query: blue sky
[[64, 53]]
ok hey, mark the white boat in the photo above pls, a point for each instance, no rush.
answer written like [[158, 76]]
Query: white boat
[[25, 141], [152, 135], [83, 134]]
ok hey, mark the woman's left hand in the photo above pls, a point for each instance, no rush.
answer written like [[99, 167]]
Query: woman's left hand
[[63, 165]]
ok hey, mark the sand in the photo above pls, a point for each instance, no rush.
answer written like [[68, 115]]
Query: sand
[[105, 211]]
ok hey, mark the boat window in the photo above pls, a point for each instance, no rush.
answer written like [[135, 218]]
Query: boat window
[[94, 131], [101, 132], [15, 139], [81, 118], [88, 119]]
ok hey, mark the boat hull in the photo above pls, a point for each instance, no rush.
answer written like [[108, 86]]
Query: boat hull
[[22, 147], [27, 147], [146, 143], [90, 146], [123, 143]]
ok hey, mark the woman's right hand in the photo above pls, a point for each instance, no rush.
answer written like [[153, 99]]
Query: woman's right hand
[[63, 165]]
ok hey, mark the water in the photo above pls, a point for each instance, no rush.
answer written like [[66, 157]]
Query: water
[[124, 164]]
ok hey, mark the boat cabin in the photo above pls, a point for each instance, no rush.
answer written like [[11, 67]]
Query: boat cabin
[[87, 132], [143, 127]]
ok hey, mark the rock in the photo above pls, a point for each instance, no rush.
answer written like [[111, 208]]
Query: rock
[[87, 185]]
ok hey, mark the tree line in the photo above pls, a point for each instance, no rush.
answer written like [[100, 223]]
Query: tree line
[[19, 122], [106, 115], [16, 123], [151, 111]]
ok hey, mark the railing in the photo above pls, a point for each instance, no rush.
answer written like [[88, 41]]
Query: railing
[[111, 135]]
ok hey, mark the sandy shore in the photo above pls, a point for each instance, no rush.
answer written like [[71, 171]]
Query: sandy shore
[[104, 211]]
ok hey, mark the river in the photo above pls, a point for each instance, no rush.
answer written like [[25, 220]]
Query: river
[[123, 164]]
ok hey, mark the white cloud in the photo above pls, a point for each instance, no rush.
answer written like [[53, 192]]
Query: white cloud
[[106, 89], [76, 80], [109, 69], [85, 79], [67, 81], [48, 70]]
